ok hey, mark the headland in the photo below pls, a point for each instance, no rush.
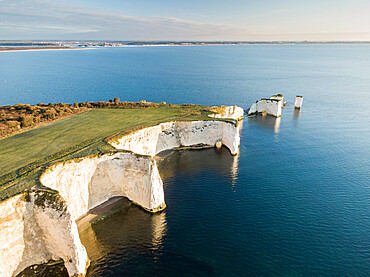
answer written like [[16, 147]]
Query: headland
[[113, 157]]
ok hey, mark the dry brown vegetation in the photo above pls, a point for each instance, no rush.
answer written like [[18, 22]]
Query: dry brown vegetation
[[21, 117]]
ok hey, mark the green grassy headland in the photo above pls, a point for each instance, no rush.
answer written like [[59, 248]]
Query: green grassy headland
[[24, 156]]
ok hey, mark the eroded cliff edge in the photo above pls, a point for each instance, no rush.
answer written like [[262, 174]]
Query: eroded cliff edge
[[88, 182], [152, 140], [40, 226], [37, 227]]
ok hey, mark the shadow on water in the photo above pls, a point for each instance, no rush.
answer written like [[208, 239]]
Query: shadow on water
[[119, 237], [192, 162], [267, 122], [129, 241], [296, 114]]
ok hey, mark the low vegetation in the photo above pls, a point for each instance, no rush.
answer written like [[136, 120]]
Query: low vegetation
[[24, 156], [21, 117]]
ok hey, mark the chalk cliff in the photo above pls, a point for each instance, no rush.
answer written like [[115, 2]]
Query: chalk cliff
[[89, 182], [152, 140], [233, 112], [39, 226], [270, 106], [35, 228]]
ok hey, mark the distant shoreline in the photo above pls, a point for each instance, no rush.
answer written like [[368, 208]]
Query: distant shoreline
[[10, 46], [232, 44], [22, 49]]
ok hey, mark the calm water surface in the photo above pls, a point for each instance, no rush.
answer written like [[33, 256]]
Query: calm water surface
[[295, 202]]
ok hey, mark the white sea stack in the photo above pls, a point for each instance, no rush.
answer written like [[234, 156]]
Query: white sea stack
[[271, 106], [278, 97], [298, 102]]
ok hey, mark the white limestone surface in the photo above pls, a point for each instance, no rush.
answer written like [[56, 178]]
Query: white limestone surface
[[88, 182], [233, 112], [271, 106], [36, 229], [152, 140], [278, 97], [298, 102]]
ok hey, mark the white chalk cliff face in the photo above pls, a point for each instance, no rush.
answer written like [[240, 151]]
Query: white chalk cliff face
[[298, 102], [270, 106], [152, 140], [278, 97], [35, 228], [41, 226], [89, 182], [233, 112]]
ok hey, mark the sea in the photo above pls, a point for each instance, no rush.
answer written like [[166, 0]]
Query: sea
[[294, 202]]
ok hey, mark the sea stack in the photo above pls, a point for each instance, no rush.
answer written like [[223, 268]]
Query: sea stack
[[298, 102], [271, 106]]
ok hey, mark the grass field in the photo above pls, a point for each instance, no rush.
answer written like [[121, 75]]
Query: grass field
[[22, 156]]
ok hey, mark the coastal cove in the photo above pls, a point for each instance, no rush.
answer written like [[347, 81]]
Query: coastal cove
[[293, 201], [38, 225]]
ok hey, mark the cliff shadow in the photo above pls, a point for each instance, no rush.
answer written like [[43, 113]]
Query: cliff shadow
[[190, 162], [50, 269], [105, 188], [36, 251], [120, 237]]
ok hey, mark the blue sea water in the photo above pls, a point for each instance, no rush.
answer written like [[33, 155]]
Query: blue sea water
[[294, 202]]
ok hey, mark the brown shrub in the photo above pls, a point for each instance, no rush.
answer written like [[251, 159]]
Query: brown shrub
[[26, 121], [50, 113], [13, 124], [68, 110]]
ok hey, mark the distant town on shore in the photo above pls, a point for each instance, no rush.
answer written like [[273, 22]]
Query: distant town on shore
[[9, 45]]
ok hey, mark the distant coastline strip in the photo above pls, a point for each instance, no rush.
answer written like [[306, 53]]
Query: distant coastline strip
[[13, 49]]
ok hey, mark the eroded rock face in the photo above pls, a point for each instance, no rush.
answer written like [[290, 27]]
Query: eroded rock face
[[35, 228], [298, 102], [152, 140], [89, 182], [233, 112], [270, 106]]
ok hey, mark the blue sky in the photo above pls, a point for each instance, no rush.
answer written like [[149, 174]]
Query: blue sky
[[185, 20]]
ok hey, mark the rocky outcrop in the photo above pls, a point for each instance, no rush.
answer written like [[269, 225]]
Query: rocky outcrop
[[271, 106], [298, 102], [152, 140], [37, 227], [278, 97], [88, 182], [232, 112]]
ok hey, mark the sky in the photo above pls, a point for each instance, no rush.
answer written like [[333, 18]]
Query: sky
[[206, 20]]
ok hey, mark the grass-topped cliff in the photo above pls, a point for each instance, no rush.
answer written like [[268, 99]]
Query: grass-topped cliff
[[21, 117], [23, 156]]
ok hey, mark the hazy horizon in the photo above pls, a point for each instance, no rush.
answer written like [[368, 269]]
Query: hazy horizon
[[236, 20]]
